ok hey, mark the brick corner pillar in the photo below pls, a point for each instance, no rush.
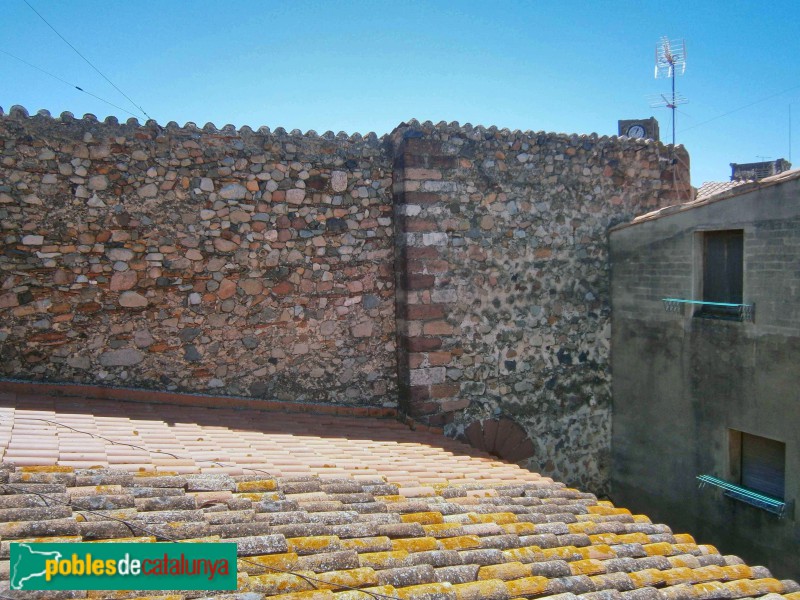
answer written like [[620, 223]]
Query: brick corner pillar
[[427, 344]]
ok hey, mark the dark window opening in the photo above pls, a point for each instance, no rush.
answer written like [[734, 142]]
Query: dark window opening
[[759, 463], [723, 257]]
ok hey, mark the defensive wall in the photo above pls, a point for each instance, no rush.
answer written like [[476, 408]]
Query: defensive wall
[[457, 273]]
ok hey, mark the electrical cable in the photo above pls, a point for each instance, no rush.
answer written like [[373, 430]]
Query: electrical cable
[[80, 89], [730, 112], [87, 60]]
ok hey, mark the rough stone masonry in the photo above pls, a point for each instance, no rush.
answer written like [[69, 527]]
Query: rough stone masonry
[[456, 271]]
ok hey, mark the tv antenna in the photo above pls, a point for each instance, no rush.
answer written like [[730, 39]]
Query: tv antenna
[[670, 62]]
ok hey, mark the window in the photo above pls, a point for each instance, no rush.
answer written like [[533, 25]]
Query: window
[[758, 463], [722, 273]]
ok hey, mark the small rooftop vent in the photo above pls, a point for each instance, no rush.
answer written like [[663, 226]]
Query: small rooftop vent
[[758, 170]]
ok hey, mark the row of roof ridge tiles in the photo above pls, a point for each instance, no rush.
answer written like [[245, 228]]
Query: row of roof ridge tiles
[[526, 540], [20, 112]]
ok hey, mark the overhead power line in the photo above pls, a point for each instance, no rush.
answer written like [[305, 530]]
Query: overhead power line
[[77, 87], [88, 62], [730, 112]]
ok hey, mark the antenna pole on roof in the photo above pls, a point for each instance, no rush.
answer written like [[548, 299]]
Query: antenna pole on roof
[[670, 62]]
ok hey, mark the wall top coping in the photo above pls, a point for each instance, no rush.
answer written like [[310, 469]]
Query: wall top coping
[[426, 128]]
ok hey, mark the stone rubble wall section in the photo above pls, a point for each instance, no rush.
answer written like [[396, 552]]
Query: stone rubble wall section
[[230, 262], [504, 293], [460, 270]]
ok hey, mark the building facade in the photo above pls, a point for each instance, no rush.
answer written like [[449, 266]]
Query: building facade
[[705, 339]]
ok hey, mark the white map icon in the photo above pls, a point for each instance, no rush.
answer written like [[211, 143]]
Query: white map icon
[[24, 551]]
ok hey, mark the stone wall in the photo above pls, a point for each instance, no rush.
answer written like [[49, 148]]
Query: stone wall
[[236, 262], [504, 285], [459, 270]]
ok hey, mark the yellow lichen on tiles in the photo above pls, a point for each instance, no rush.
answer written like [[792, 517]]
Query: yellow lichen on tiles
[[259, 485], [505, 571], [313, 544], [440, 529], [360, 544], [731, 572], [607, 509], [310, 595], [679, 575], [646, 577], [266, 562], [282, 583], [683, 538], [686, 549], [563, 552], [684, 560], [154, 473], [119, 514], [47, 469], [56, 539], [527, 586], [706, 549], [482, 493], [425, 590], [662, 549], [383, 560], [711, 573], [422, 544], [350, 578], [641, 519], [526, 554], [598, 551], [586, 527], [367, 593], [460, 542], [633, 538], [423, 518], [95, 490], [767, 585], [587, 566], [792, 596], [519, 528], [392, 498], [489, 589], [253, 496], [498, 518], [604, 538], [717, 589]]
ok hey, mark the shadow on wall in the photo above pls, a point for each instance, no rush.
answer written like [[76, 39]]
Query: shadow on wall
[[503, 438]]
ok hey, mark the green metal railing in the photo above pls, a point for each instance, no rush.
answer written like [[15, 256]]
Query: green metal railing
[[746, 311], [776, 507]]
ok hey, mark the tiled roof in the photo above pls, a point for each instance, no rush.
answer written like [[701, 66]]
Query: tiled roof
[[409, 515], [711, 194], [712, 188]]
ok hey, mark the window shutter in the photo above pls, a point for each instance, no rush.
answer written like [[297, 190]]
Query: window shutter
[[763, 464]]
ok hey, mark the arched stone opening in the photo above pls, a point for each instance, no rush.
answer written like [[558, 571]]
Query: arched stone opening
[[503, 438]]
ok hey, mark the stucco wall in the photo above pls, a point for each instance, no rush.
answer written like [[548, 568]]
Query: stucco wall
[[680, 383]]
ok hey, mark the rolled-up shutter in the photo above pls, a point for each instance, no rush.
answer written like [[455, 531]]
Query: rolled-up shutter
[[763, 465]]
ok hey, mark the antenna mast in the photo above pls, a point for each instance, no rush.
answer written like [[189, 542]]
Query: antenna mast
[[670, 61]]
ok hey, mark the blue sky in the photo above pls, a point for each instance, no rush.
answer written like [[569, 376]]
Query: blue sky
[[573, 67]]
